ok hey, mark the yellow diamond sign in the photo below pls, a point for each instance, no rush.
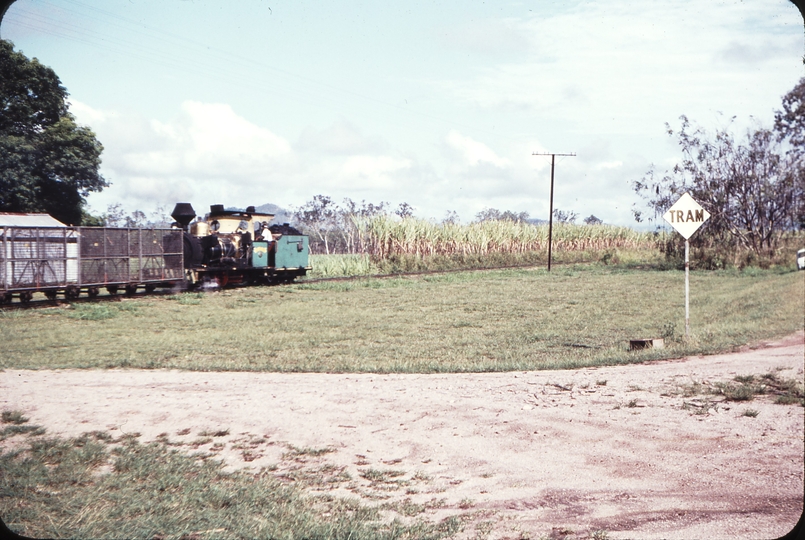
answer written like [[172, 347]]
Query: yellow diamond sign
[[686, 216]]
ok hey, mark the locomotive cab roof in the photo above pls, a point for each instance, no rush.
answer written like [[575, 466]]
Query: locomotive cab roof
[[217, 211]]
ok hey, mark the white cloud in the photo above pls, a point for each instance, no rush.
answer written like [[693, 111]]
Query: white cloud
[[609, 165], [86, 115], [340, 138], [210, 140], [198, 157], [371, 171], [474, 152], [496, 37], [207, 154]]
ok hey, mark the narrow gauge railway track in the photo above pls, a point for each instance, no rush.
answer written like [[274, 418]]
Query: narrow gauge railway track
[[40, 303]]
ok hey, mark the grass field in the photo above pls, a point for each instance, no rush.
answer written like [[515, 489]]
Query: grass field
[[95, 486], [490, 320]]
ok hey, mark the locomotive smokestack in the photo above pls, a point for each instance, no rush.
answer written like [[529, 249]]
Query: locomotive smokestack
[[183, 213]]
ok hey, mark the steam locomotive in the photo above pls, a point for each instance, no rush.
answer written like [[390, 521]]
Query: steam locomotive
[[223, 248], [231, 247]]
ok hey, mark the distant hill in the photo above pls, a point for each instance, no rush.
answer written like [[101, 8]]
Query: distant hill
[[281, 215]]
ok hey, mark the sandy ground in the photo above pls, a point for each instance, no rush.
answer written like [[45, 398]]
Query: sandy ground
[[517, 455]]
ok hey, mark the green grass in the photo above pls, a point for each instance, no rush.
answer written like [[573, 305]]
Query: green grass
[[93, 486], [342, 265], [14, 417], [744, 388], [18, 425], [491, 320], [296, 451]]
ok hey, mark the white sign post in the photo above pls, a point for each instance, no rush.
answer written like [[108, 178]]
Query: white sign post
[[686, 216]]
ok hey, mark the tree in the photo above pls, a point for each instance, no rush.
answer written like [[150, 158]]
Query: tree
[[48, 163], [565, 217], [451, 218], [115, 216], [790, 122], [319, 215], [404, 210], [493, 214], [592, 220], [753, 188]]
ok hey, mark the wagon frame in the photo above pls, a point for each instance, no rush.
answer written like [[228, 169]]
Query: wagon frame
[[69, 260]]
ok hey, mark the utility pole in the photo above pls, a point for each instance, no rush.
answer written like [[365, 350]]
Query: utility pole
[[550, 216]]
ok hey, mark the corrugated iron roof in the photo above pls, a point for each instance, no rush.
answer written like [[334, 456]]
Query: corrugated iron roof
[[8, 219]]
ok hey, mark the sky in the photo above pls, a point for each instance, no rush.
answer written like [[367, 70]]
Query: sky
[[439, 104]]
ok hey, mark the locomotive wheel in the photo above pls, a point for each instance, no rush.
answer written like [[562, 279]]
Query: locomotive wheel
[[131, 289], [26, 296], [92, 292], [72, 292], [50, 295], [111, 289]]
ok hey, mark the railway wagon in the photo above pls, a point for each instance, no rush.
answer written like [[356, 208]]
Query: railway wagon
[[72, 260]]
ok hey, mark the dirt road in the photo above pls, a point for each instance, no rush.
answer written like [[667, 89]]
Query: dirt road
[[636, 451]]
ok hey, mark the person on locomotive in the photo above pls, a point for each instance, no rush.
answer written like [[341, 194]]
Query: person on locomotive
[[265, 234]]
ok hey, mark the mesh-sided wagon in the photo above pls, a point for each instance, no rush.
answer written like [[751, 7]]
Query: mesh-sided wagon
[[71, 260]]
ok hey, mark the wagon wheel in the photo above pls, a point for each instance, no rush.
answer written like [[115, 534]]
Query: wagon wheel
[[111, 289], [5, 298], [92, 292], [25, 296], [131, 289], [72, 292], [149, 287], [50, 295]]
